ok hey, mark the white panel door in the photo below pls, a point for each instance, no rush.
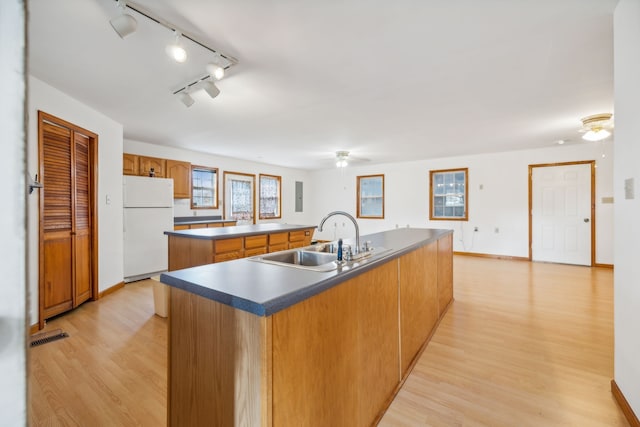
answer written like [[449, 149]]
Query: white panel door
[[561, 214]]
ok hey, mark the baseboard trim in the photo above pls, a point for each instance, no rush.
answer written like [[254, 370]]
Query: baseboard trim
[[34, 328], [507, 257], [604, 265], [111, 290], [624, 405]]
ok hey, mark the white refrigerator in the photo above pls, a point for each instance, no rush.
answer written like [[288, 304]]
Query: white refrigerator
[[148, 213]]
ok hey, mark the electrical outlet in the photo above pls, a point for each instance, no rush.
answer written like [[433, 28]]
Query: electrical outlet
[[475, 228]]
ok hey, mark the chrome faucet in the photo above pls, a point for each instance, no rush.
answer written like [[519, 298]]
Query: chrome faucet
[[357, 250]]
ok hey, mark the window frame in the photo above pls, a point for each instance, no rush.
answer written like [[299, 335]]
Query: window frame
[[278, 179], [432, 207], [215, 188], [360, 199], [226, 204]]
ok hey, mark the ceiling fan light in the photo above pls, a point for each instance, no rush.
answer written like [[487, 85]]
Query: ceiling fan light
[[596, 135], [175, 49], [123, 24], [211, 89], [341, 163], [186, 99], [215, 71]]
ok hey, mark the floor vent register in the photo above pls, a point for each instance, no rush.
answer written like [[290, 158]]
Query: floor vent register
[[45, 337]]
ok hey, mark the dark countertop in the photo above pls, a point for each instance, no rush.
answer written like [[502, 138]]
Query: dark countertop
[[237, 231], [188, 220], [264, 289]]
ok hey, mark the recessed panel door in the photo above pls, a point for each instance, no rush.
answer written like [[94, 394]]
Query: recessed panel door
[[561, 214]]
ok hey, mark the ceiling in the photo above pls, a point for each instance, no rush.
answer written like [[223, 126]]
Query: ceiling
[[387, 81]]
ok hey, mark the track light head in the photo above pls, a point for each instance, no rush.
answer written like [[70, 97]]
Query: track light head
[[123, 24], [175, 49], [186, 98], [215, 70], [211, 89]]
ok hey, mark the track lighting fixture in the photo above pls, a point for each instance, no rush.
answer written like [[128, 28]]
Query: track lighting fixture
[[175, 49], [123, 24], [186, 98], [211, 89], [215, 70]]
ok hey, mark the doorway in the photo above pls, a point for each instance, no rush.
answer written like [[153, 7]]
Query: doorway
[[562, 213], [68, 230]]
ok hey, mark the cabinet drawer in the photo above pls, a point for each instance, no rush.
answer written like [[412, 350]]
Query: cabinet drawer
[[193, 226], [296, 236], [255, 251], [279, 247], [255, 241], [278, 238], [228, 256], [229, 224], [228, 245], [181, 227], [293, 245], [214, 224]]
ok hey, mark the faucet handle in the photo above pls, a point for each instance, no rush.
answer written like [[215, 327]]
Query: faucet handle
[[367, 246]]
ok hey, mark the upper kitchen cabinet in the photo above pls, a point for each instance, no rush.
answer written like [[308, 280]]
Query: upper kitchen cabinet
[[181, 174], [129, 164], [148, 164]]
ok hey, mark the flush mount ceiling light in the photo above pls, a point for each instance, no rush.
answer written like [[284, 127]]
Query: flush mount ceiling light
[[597, 126], [175, 49], [123, 24], [342, 159]]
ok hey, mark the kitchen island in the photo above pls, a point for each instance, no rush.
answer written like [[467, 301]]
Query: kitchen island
[[252, 343], [190, 248]]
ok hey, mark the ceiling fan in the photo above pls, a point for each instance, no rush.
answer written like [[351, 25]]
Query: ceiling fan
[[343, 158], [597, 127]]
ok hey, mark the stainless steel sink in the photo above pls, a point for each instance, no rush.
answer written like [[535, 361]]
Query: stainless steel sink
[[319, 257], [305, 259]]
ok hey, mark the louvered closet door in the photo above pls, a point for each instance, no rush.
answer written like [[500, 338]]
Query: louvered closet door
[[82, 223], [57, 267], [66, 220]]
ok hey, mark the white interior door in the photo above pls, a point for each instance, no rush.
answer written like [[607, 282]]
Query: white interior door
[[561, 214]]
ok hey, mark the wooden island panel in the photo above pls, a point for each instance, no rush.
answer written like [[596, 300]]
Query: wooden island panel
[[445, 272], [335, 356], [418, 286], [219, 364], [185, 253]]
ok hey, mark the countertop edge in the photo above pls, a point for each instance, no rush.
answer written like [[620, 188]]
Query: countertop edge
[[230, 232]]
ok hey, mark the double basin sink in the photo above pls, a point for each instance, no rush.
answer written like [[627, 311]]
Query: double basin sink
[[320, 257]]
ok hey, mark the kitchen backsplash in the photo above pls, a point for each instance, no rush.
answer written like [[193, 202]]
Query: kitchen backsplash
[[182, 207]]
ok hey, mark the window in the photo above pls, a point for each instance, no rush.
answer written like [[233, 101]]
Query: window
[[238, 197], [370, 196], [448, 194], [269, 197], [204, 187]]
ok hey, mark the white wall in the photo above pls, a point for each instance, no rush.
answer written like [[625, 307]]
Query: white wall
[[502, 203], [627, 211], [51, 100], [182, 206], [13, 393]]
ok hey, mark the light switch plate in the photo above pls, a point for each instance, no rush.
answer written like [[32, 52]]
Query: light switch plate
[[628, 188]]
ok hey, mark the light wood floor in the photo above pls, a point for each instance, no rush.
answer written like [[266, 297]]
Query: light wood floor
[[524, 344]]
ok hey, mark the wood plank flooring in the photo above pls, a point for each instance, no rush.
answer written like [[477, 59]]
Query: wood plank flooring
[[524, 344]]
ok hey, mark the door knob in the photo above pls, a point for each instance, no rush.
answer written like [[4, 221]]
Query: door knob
[[586, 220]]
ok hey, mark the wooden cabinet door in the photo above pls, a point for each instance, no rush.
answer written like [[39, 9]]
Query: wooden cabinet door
[[129, 164], [145, 164], [181, 174]]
